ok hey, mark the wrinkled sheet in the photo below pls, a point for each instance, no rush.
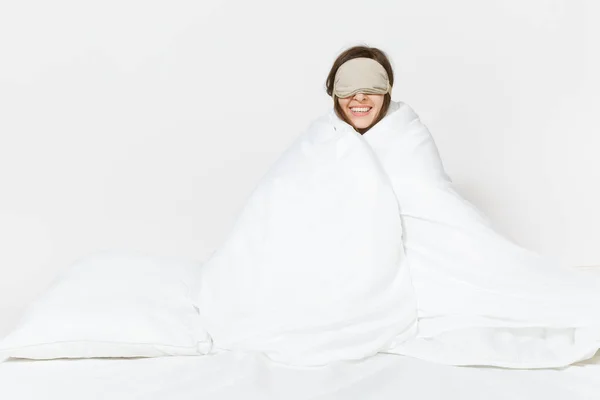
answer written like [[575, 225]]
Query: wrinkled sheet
[[237, 376], [353, 245], [482, 299], [313, 269]]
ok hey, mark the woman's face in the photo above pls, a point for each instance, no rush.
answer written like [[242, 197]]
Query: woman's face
[[362, 109]]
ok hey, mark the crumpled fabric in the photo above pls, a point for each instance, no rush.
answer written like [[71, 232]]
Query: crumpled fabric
[[355, 244]]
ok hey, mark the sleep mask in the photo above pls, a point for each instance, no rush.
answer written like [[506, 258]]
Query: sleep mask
[[363, 75]]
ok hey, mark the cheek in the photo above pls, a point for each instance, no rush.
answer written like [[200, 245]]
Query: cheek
[[379, 107]]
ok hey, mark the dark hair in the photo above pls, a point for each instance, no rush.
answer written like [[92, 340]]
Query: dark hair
[[349, 54]]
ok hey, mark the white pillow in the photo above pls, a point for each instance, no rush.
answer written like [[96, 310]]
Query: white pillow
[[114, 305]]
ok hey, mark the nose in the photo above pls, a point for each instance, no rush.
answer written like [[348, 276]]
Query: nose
[[359, 96]]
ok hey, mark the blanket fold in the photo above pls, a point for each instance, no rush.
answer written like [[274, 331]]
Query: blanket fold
[[352, 245]]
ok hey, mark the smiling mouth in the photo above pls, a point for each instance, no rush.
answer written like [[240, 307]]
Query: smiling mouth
[[360, 111]]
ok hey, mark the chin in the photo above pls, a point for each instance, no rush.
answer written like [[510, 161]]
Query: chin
[[362, 124]]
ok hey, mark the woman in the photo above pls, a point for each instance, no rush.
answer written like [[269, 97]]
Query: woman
[[377, 104], [354, 244]]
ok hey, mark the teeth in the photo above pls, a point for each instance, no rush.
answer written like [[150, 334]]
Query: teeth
[[365, 109]]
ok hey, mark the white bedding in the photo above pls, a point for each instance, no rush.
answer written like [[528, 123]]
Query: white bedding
[[236, 376], [302, 281], [352, 245]]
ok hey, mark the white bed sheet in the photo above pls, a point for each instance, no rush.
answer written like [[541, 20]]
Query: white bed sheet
[[246, 376]]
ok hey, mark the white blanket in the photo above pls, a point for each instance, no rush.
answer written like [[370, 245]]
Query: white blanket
[[229, 376], [353, 245]]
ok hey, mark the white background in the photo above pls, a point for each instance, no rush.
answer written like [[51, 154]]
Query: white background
[[144, 125]]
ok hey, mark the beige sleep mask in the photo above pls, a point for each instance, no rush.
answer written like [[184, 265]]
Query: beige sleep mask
[[363, 75]]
